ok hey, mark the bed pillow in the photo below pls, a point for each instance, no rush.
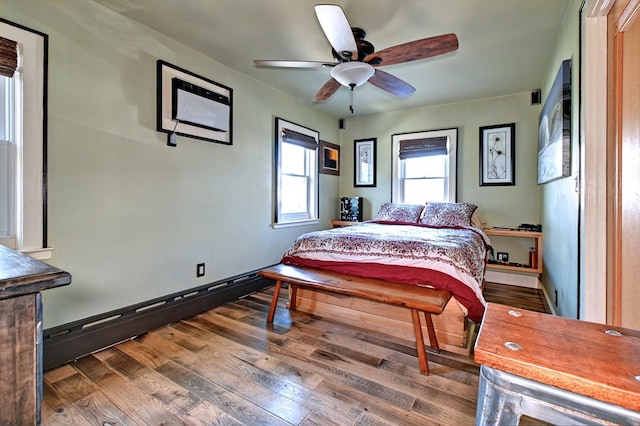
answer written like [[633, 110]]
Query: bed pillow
[[448, 214], [396, 212], [477, 220]]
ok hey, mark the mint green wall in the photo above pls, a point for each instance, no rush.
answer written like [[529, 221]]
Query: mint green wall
[[502, 205], [130, 217], [560, 198]]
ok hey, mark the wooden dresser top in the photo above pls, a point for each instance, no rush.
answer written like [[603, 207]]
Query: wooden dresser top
[[595, 360], [21, 274]]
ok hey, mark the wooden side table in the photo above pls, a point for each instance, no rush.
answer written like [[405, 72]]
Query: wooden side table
[[537, 243], [342, 223], [22, 278], [555, 369]]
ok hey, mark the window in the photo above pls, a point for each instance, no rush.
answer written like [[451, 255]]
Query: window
[[22, 143], [8, 159], [296, 174], [424, 166]]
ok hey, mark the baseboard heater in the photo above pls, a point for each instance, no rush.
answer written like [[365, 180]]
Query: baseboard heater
[[71, 341]]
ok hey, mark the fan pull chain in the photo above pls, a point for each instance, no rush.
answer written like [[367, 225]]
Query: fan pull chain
[[351, 98]]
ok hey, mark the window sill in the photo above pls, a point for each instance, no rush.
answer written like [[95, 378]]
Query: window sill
[[296, 223], [38, 253]]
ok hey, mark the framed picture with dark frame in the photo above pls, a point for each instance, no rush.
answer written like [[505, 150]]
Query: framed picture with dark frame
[[329, 158], [364, 171], [554, 131], [498, 155]]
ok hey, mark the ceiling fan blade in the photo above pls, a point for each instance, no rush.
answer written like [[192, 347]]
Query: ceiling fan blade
[[325, 92], [336, 27], [414, 50], [294, 64], [391, 84]]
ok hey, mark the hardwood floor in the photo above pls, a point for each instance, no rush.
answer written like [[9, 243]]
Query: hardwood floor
[[227, 367], [519, 297]]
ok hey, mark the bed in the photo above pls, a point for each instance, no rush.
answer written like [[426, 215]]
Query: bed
[[434, 245]]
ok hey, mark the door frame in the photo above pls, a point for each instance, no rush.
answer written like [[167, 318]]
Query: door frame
[[593, 257]]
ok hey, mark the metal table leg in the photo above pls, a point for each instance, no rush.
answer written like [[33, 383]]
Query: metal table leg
[[503, 398]]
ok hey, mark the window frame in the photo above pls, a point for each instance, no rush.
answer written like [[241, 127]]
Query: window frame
[[8, 159], [31, 135], [397, 189], [311, 215]]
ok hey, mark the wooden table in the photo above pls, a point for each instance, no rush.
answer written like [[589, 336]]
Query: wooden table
[[556, 369], [342, 223], [22, 278]]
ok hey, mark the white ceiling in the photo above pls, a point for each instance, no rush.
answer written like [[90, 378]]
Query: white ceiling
[[505, 45]]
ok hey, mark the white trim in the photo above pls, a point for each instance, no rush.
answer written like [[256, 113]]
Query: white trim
[[594, 163], [516, 279], [297, 223], [598, 8], [30, 137], [397, 195], [550, 304], [284, 220], [40, 254]]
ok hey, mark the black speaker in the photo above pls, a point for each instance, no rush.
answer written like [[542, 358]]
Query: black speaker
[[536, 97], [341, 124], [351, 209]]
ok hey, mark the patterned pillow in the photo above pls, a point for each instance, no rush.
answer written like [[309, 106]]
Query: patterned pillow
[[395, 212], [448, 214]]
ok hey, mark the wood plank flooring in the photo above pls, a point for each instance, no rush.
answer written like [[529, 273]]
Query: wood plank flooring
[[519, 297], [227, 367]]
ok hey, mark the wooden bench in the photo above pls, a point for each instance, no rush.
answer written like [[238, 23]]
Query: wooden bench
[[555, 369], [418, 299]]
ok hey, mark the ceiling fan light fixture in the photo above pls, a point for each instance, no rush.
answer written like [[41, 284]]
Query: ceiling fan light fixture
[[352, 74]]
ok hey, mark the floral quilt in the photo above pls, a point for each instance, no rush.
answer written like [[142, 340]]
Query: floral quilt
[[452, 258]]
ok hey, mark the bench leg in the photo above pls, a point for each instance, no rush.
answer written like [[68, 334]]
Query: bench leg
[[274, 302], [293, 292], [422, 353], [432, 332]]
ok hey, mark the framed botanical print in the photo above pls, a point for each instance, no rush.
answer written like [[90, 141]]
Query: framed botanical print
[[365, 162], [498, 155]]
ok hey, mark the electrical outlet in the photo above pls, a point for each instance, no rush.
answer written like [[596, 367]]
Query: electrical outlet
[[503, 257], [200, 270]]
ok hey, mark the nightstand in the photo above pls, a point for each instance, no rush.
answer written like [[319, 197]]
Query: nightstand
[[537, 243], [342, 223]]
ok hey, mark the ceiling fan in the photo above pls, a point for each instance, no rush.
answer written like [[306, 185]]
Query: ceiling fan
[[356, 60]]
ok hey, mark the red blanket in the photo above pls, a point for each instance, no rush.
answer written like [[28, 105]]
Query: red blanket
[[449, 258]]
